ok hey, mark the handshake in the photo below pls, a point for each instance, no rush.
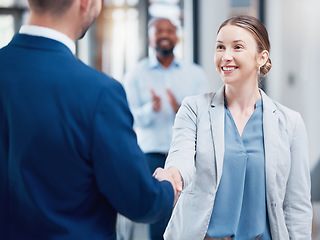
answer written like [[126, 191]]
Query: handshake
[[172, 175]]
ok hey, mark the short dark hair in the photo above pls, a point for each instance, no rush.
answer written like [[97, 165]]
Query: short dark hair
[[55, 7]]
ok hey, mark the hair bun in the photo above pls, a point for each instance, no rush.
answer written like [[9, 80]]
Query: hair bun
[[265, 68]]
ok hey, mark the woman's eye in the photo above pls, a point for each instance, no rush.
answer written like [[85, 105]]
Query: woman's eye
[[219, 47], [238, 47]]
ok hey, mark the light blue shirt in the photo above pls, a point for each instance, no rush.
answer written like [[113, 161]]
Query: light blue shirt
[[239, 209], [154, 129]]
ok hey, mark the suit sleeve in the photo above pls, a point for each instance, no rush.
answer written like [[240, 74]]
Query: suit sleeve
[[183, 146], [297, 205], [121, 172]]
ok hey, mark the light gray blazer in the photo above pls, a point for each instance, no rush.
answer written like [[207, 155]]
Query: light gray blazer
[[197, 150]]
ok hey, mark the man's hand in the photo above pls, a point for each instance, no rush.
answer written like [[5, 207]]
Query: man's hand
[[172, 100], [173, 176], [156, 101]]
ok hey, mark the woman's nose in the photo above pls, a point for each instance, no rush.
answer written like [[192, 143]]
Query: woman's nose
[[227, 55]]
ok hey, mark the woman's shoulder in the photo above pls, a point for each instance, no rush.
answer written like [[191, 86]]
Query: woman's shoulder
[[205, 100], [198, 101], [198, 105], [285, 111], [288, 117], [276, 107]]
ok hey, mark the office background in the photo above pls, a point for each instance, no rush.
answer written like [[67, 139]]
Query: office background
[[118, 39]]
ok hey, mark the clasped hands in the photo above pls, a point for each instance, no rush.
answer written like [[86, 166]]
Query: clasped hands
[[156, 101], [172, 175]]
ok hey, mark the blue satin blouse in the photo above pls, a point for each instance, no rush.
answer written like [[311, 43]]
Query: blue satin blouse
[[239, 208]]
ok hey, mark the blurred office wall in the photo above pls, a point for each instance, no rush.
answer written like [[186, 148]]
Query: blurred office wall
[[294, 79]]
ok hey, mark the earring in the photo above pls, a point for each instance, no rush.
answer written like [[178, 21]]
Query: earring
[[259, 70]]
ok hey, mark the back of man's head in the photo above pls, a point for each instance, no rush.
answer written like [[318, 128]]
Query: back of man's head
[[53, 7]]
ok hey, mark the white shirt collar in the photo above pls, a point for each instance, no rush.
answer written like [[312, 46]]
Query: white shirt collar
[[48, 33]]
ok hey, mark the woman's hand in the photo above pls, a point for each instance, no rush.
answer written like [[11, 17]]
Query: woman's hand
[[172, 175]]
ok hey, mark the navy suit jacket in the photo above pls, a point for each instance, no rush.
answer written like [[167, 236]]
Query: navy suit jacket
[[69, 159]]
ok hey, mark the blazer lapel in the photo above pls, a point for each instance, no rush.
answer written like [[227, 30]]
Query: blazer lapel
[[270, 126], [217, 116]]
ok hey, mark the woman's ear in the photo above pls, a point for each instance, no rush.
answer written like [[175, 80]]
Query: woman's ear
[[263, 58]]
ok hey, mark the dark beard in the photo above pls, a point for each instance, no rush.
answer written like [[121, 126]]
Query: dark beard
[[163, 52]]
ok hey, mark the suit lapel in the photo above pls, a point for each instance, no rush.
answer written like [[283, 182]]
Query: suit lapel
[[270, 126], [217, 116]]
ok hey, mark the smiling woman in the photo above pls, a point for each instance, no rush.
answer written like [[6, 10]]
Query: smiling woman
[[238, 59], [242, 156]]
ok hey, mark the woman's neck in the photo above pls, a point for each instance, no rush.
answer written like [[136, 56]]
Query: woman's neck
[[241, 103], [242, 97]]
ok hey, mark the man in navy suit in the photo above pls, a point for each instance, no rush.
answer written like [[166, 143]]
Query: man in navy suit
[[69, 159]]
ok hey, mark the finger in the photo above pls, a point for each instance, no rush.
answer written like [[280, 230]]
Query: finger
[[177, 178], [170, 94], [156, 171], [156, 104], [153, 93], [179, 186], [178, 182]]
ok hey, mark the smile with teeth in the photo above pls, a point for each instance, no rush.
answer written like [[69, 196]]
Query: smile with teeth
[[228, 68]]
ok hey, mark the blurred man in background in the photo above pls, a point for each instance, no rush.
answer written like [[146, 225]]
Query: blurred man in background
[[155, 89]]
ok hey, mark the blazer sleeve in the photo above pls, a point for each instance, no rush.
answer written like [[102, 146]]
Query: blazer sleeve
[[120, 168], [183, 146], [297, 204]]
